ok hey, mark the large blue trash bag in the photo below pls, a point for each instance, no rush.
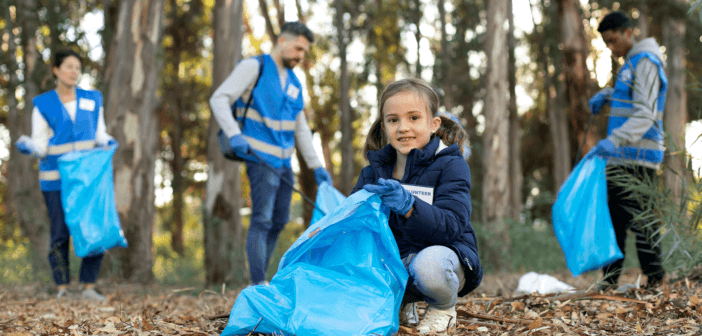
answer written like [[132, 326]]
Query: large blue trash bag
[[581, 218], [343, 276], [88, 197], [328, 198]]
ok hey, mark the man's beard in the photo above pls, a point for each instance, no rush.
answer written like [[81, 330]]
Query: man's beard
[[288, 62]]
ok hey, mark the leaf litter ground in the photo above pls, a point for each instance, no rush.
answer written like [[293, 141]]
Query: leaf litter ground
[[131, 309]]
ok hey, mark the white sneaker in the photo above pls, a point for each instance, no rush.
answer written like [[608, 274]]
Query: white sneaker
[[408, 315], [92, 294], [437, 321], [63, 293], [262, 283]]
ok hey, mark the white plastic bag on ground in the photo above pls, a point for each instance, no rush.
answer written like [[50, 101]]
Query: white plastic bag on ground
[[542, 284]]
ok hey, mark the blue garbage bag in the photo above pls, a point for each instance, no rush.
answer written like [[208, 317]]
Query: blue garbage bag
[[88, 197], [328, 198], [343, 276], [581, 219]]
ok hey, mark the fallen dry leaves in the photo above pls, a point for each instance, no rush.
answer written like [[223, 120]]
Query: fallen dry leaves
[[673, 309], [130, 309]]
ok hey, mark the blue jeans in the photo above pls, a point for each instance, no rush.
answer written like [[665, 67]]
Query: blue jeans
[[270, 205], [436, 276], [58, 255]]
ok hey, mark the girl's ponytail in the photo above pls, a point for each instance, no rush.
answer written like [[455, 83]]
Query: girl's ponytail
[[451, 132], [375, 139]]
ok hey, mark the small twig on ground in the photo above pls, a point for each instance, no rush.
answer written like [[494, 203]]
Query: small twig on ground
[[615, 298], [505, 320], [465, 322], [218, 316], [254, 329]]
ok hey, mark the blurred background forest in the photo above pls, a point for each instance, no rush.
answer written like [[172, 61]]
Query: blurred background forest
[[518, 74]]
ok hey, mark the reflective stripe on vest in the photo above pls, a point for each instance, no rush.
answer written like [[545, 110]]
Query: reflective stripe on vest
[[281, 153], [49, 175], [70, 147], [276, 125]]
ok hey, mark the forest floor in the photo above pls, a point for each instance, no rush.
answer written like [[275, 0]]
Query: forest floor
[[493, 309]]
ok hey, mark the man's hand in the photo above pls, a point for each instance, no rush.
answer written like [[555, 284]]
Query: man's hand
[[322, 175], [393, 195], [605, 148], [600, 99], [239, 145]]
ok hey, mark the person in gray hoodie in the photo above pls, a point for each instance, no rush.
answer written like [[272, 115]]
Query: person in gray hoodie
[[634, 143]]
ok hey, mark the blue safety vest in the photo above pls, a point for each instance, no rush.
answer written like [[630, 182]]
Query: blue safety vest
[[271, 119], [649, 149], [68, 135]]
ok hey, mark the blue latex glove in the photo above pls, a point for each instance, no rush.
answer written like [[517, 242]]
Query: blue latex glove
[[600, 99], [322, 175], [25, 146], [393, 195], [239, 145], [110, 142], [605, 148]]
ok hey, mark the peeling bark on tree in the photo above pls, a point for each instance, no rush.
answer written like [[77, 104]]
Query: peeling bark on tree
[[132, 77], [496, 191], [224, 236]]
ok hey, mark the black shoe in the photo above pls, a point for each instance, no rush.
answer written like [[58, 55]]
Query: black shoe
[[653, 282]]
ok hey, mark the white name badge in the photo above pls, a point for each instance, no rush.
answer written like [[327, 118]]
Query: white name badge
[[425, 194], [86, 104], [293, 92]]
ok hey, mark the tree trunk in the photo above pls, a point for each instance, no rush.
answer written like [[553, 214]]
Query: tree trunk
[[177, 165], [642, 24], [577, 75], [496, 191], [24, 193], [224, 236], [558, 125], [417, 16], [132, 77], [269, 24], [280, 11], [445, 59], [675, 116], [346, 177], [172, 109], [308, 186], [515, 132]]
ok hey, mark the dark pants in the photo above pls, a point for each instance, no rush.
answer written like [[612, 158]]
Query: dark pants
[[624, 203], [58, 255], [270, 210]]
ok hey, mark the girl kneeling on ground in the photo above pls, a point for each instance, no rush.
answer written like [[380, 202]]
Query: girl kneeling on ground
[[410, 144]]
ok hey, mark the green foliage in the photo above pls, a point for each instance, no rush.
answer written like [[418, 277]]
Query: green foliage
[[536, 249]]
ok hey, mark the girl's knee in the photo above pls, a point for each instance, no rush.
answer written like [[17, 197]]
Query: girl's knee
[[434, 268]]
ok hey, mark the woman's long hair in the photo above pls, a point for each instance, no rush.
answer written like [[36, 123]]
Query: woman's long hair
[[449, 131]]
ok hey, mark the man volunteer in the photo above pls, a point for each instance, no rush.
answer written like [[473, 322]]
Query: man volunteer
[[634, 143], [273, 124]]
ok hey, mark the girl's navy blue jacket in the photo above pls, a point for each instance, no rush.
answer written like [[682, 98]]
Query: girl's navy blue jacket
[[447, 221]]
